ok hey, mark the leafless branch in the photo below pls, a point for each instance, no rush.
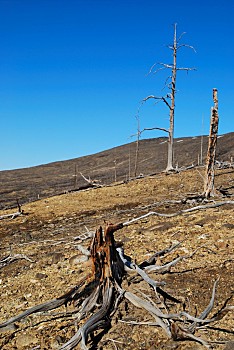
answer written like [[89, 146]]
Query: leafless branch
[[185, 68], [11, 216], [13, 257], [185, 45], [162, 98], [150, 129], [165, 65], [199, 207], [157, 70], [91, 183], [151, 68], [180, 37]]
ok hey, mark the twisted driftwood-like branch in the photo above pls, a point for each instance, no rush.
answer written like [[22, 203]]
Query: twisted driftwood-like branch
[[96, 298], [13, 257], [183, 211], [13, 215]]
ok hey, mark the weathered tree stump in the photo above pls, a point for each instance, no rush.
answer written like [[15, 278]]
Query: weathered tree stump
[[96, 298], [211, 152]]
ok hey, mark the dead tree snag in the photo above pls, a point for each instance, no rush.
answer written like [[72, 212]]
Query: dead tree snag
[[169, 99], [211, 152]]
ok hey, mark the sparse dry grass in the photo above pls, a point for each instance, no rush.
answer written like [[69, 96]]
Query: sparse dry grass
[[46, 234]]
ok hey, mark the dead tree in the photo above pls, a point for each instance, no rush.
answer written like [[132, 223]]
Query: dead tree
[[137, 147], [138, 134], [169, 99], [211, 152]]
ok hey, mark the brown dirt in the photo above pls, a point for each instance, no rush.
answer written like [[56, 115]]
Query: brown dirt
[[46, 235]]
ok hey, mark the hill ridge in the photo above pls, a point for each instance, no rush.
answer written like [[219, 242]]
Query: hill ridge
[[117, 163]]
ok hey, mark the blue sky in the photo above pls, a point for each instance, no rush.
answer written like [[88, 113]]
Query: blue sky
[[73, 73]]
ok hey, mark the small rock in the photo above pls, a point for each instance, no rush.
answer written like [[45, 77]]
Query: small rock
[[40, 276], [32, 280], [229, 345], [200, 223], [204, 236], [56, 257], [21, 306], [135, 337], [228, 225], [221, 244], [27, 296], [77, 259], [170, 345], [24, 340]]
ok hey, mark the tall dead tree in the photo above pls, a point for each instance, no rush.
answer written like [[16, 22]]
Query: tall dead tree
[[138, 134], [169, 99], [211, 152]]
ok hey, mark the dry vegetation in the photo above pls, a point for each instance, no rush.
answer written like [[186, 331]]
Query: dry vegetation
[[54, 178], [45, 235]]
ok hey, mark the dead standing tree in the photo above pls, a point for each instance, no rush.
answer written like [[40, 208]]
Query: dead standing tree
[[169, 99], [138, 134], [211, 152]]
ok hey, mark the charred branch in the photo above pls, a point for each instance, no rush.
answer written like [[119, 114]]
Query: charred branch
[[150, 129]]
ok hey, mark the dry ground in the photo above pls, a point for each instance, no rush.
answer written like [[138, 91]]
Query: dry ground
[[46, 235], [51, 179]]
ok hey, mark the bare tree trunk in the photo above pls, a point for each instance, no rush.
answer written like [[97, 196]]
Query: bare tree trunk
[[115, 179], [170, 152], [172, 108], [75, 177], [201, 157], [129, 164], [211, 152], [137, 147]]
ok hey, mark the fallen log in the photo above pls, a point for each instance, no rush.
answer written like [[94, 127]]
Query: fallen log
[[11, 216]]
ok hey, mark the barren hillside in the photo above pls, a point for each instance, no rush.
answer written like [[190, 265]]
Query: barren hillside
[[42, 181], [47, 233]]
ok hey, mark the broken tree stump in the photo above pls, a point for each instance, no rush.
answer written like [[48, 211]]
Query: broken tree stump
[[96, 298], [211, 152]]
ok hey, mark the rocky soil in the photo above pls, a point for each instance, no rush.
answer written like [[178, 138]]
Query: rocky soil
[[46, 234]]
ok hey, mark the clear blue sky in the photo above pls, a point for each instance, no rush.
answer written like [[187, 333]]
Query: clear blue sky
[[73, 73]]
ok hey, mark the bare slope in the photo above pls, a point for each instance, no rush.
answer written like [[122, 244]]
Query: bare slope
[[45, 180], [46, 235]]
